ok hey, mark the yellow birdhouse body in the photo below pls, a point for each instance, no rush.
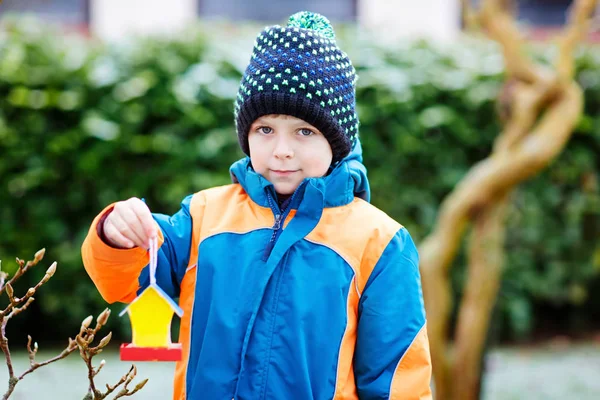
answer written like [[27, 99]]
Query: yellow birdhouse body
[[151, 314], [151, 317]]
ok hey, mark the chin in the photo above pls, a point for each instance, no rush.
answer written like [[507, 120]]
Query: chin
[[285, 189]]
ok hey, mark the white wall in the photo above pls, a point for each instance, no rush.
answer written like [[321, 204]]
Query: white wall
[[394, 19], [388, 19], [113, 19]]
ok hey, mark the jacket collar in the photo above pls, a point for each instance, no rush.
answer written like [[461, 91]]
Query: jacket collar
[[347, 180]]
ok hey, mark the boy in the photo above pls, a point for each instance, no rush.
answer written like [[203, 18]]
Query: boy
[[292, 285]]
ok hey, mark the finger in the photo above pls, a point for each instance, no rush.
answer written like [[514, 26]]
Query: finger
[[115, 237], [130, 215], [122, 223], [144, 215]]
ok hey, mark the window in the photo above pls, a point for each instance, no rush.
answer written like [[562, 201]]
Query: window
[[543, 12], [543, 18], [276, 11], [69, 12], [539, 13]]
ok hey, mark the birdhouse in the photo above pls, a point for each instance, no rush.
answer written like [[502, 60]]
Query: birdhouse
[[151, 314]]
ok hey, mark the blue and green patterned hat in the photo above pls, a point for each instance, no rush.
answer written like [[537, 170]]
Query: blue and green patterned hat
[[299, 70]]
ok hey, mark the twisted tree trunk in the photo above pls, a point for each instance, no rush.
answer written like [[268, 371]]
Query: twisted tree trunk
[[542, 108]]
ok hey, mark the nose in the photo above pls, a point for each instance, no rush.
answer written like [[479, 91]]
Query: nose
[[283, 148]]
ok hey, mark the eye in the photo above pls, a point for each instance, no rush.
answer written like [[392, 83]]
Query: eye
[[306, 132], [265, 130]]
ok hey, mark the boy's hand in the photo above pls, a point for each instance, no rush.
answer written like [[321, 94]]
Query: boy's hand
[[130, 224]]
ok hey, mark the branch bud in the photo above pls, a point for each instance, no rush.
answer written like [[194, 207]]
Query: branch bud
[[81, 341], [103, 317], [39, 255], [51, 270], [86, 322], [141, 384], [9, 290], [105, 340]]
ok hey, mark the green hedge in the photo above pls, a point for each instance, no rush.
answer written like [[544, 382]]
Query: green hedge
[[83, 125]]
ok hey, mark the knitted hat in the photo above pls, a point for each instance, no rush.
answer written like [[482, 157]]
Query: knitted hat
[[299, 70]]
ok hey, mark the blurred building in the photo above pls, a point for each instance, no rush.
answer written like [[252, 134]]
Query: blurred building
[[390, 19], [72, 13]]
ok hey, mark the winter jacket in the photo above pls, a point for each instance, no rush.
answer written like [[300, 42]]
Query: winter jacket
[[321, 300]]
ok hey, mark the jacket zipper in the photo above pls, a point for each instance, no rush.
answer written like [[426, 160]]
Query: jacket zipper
[[277, 228], [279, 219]]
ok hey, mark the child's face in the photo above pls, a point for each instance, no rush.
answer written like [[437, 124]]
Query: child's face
[[285, 150]]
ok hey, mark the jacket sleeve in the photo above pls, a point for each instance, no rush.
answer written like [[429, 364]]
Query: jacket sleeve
[[392, 359], [120, 274]]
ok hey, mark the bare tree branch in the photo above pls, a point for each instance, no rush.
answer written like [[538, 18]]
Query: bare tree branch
[[539, 108], [82, 341], [87, 351], [17, 305], [500, 26], [470, 17], [23, 268], [578, 26]]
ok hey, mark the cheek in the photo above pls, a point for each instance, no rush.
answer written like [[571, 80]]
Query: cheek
[[316, 163], [258, 152]]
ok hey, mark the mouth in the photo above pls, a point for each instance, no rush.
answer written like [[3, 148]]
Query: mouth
[[281, 172]]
